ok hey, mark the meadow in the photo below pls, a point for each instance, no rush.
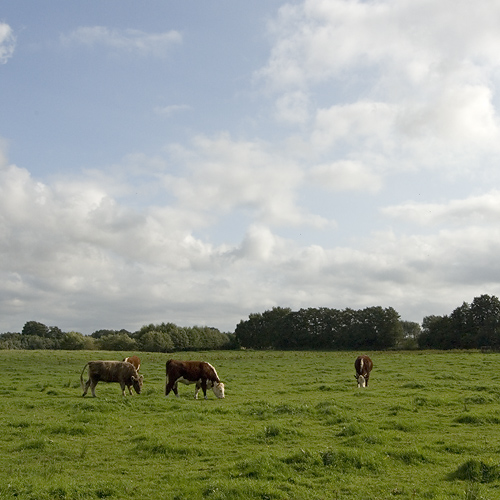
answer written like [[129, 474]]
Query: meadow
[[293, 425]]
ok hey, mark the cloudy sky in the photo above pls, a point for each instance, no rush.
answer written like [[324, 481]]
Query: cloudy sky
[[194, 162]]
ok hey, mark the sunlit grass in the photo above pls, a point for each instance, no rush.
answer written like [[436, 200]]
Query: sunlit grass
[[293, 425]]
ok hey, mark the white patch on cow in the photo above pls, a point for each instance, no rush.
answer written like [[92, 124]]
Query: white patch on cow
[[218, 389], [213, 369], [182, 380], [361, 381]]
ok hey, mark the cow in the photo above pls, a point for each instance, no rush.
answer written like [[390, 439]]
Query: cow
[[111, 371], [134, 360], [201, 373], [363, 366]]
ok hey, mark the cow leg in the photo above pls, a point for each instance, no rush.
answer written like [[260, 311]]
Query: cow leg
[[204, 387], [130, 389], [93, 383], [197, 390], [86, 388], [122, 385], [171, 386]]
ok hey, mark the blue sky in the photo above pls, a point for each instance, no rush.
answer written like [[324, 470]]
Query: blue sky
[[195, 162]]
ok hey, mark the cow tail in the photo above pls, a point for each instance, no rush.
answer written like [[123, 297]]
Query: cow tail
[[81, 376]]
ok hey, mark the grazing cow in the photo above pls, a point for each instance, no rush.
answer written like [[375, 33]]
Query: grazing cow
[[363, 366], [193, 372], [111, 371], [134, 360]]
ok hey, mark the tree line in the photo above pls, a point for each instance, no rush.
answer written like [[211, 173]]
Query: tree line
[[165, 337], [470, 326], [373, 328]]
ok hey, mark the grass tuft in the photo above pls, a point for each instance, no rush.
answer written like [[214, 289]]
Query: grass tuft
[[410, 457], [351, 430], [147, 449], [346, 461], [477, 471]]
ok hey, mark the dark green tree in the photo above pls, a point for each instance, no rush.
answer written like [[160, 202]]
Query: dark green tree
[[437, 333], [261, 330], [156, 341], [35, 328], [485, 318]]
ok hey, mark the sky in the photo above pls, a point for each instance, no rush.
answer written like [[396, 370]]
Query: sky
[[195, 162]]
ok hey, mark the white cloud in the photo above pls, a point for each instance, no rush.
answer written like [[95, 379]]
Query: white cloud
[[7, 42], [293, 108], [317, 39], [222, 225], [224, 175], [463, 114], [259, 244], [482, 209], [346, 175], [171, 109], [72, 247], [129, 40], [367, 122], [412, 84]]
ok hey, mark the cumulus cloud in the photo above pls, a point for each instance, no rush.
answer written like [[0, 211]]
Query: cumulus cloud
[[293, 108], [316, 40], [481, 209], [77, 242], [403, 79], [368, 89], [128, 40], [346, 175], [72, 246], [369, 123], [225, 175], [7, 42]]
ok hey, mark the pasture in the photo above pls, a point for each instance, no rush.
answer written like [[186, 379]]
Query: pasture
[[293, 425]]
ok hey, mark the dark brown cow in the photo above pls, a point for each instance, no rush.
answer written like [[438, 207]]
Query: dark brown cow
[[201, 373], [111, 371], [363, 366], [134, 360]]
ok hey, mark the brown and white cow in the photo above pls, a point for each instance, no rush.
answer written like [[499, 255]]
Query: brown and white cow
[[201, 373], [111, 371], [363, 366], [134, 360]]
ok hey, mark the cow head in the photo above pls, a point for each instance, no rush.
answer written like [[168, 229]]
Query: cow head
[[137, 383], [218, 388], [361, 380]]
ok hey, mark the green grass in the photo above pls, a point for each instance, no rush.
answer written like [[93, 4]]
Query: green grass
[[293, 426]]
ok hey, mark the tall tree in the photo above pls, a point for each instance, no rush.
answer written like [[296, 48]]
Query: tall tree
[[485, 312], [35, 328]]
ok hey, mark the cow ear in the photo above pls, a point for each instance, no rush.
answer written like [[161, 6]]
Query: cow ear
[[141, 378]]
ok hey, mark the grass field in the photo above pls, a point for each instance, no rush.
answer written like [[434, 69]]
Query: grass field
[[293, 425]]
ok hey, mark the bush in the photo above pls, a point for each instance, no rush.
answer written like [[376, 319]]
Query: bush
[[119, 342], [73, 341], [156, 342]]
